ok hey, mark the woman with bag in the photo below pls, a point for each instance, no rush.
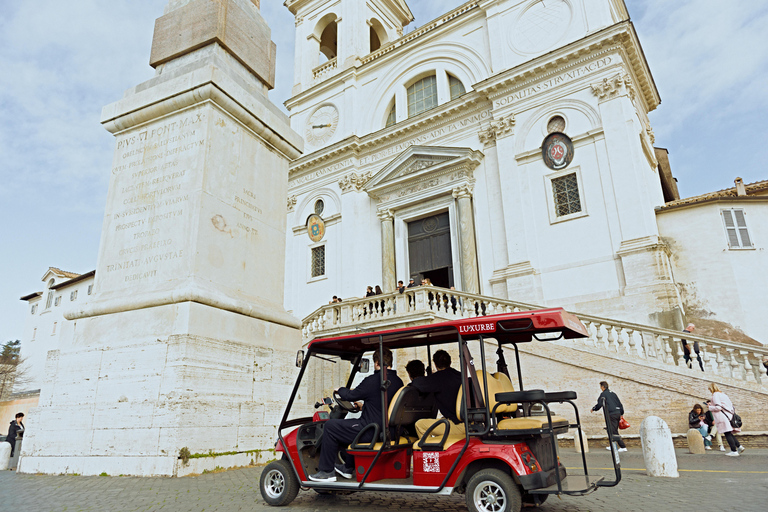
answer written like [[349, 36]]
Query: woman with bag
[[723, 411]]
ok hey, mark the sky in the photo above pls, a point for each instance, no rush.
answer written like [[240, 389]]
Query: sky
[[61, 62]]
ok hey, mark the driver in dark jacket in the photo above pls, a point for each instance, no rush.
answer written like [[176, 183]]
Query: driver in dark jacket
[[338, 433], [615, 412]]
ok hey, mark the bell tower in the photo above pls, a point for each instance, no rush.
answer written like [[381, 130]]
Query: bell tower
[[332, 37]]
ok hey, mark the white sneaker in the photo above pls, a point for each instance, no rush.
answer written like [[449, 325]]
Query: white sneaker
[[707, 447], [722, 448], [607, 447], [741, 449], [708, 438], [623, 449], [732, 454]]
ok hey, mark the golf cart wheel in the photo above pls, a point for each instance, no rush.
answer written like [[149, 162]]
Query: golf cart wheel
[[493, 490], [278, 484]]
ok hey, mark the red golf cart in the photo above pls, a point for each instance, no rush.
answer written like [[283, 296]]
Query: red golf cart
[[508, 455]]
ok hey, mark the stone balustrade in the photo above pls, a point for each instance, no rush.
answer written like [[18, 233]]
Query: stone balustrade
[[626, 340], [324, 69]]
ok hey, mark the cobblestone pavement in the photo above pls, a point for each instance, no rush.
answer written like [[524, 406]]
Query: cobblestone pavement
[[711, 482]]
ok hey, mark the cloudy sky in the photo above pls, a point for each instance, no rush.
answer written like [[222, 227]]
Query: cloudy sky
[[60, 62]]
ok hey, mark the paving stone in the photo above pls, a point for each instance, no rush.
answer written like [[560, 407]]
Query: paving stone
[[714, 481]]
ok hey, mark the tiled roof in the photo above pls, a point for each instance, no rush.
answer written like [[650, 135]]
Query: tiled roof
[[63, 272], [74, 280], [753, 189]]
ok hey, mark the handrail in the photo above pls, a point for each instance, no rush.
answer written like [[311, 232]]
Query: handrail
[[617, 338]]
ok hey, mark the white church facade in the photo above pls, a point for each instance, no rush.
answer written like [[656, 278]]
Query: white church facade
[[424, 156]]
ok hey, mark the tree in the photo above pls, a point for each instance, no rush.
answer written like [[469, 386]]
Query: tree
[[10, 352], [11, 371]]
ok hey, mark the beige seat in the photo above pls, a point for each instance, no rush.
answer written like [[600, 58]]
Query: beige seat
[[406, 405], [500, 383]]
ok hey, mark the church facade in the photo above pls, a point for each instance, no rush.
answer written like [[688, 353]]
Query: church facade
[[503, 148]]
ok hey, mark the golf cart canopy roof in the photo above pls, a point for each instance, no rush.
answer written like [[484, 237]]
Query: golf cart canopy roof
[[521, 327]]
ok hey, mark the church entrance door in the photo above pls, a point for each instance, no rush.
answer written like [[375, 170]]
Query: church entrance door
[[429, 250]]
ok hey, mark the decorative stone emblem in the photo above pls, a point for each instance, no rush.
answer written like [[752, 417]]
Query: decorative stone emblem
[[315, 228], [557, 151], [416, 166], [291, 203], [354, 180], [429, 224]]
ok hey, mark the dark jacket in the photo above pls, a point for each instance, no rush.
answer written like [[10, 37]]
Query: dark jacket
[[370, 392], [693, 419], [445, 385], [612, 403], [14, 429]]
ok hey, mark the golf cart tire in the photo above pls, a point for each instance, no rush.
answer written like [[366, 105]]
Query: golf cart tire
[[496, 483], [278, 484]]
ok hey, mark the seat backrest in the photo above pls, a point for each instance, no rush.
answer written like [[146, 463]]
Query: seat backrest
[[497, 383], [408, 405]]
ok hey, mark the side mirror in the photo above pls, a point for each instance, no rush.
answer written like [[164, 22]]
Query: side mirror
[[365, 366], [299, 359]]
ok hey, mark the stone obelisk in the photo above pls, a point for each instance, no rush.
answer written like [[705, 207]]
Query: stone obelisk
[[185, 342]]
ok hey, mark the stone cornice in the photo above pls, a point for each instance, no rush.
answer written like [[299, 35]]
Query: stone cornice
[[620, 36], [426, 123]]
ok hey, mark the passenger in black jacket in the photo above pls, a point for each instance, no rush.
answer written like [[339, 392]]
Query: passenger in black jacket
[[615, 412], [445, 384], [338, 434]]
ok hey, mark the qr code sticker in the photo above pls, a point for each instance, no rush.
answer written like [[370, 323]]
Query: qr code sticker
[[431, 462]]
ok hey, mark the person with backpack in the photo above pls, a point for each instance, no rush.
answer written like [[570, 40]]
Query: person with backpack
[[615, 412], [723, 411]]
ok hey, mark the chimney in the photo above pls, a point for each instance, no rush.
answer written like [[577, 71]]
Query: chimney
[[741, 190]]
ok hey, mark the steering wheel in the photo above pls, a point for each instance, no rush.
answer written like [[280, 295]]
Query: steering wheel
[[345, 405]]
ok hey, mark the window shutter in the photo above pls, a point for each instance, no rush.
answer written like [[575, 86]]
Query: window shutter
[[741, 224], [730, 229]]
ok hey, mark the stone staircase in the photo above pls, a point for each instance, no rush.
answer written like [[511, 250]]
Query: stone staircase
[[643, 364]]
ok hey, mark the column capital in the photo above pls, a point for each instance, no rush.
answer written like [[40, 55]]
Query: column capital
[[291, 203], [385, 215], [354, 181], [503, 126], [617, 85], [463, 191]]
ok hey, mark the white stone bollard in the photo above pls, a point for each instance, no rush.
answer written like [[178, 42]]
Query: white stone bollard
[[5, 455], [658, 448], [577, 441]]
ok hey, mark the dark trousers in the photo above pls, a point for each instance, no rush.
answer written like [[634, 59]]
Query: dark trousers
[[732, 441], [615, 430], [687, 354], [337, 435]]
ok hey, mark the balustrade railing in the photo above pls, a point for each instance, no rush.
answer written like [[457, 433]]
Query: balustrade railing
[[324, 69], [625, 340]]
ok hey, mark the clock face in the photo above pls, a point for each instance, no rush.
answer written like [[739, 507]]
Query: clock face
[[321, 125]]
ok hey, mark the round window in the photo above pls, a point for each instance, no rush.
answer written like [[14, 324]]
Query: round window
[[556, 124], [319, 207]]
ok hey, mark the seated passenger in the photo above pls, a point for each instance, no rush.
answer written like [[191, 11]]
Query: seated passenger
[[339, 433], [698, 420], [415, 369], [445, 384]]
